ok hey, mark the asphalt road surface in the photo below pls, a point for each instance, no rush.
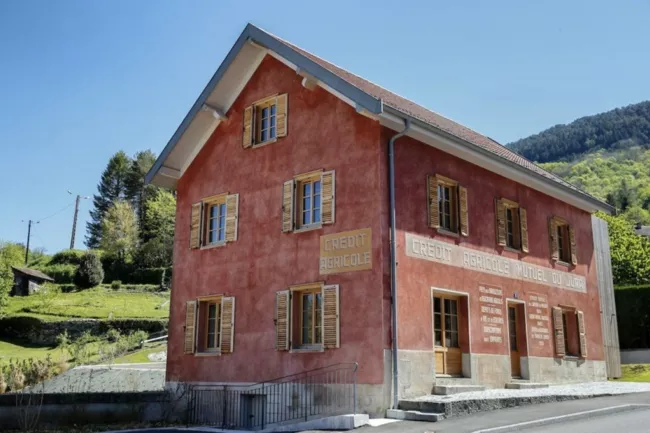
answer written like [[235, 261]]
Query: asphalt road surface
[[635, 421]]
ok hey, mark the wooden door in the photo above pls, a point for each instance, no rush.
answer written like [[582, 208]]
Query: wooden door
[[513, 328], [448, 355]]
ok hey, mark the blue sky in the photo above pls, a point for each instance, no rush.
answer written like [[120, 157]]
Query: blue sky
[[80, 80]]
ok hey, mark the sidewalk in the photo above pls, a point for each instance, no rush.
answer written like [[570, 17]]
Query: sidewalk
[[485, 420]]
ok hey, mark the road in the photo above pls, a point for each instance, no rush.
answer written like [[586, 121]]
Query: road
[[636, 421]]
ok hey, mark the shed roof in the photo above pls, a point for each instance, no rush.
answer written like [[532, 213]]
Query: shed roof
[[32, 273]]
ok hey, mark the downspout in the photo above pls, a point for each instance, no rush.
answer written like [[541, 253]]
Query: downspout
[[393, 252]]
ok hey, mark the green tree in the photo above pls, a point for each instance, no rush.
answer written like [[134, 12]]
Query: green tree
[[11, 254], [120, 231], [630, 253], [158, 230], [136, 191], [90, 272], [111, 187]]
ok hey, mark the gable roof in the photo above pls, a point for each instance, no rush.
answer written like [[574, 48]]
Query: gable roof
[[368, 98], [32, 273]]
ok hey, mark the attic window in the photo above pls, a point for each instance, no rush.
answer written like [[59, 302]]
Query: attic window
[[265, 121]]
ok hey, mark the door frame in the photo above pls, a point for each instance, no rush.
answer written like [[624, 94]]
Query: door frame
[[522, 302], [456, 294]]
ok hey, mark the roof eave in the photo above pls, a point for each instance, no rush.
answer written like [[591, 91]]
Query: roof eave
[[587, 202]]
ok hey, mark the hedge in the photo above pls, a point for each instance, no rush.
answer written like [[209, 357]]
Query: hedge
[[633, 312], [62, 273], [41, 332], [67, 257]]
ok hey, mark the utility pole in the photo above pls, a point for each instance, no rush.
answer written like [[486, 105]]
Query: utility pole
[[29, 235], [74, 219]]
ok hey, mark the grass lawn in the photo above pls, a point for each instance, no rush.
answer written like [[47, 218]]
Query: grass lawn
[[96, 303], [19, 351], [141, 355], [635, 373]]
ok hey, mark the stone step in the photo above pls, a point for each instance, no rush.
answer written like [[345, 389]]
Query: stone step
[[525, 385], [449, 380], [414, 415], [456, 389]]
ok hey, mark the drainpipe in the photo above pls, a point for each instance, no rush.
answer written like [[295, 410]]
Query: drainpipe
[[393, 252]]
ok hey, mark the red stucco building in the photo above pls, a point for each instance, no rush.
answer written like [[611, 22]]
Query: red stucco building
[[293, 179]]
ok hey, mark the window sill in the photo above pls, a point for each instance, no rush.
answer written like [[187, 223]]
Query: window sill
[[207, 354], [309, 228], [308, 349], [264, 143], [215, 245], [446, 232], [512, 250], [572, 358], [561, 263]]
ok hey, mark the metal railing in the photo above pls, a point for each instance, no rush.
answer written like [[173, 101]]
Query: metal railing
[[324, 391]]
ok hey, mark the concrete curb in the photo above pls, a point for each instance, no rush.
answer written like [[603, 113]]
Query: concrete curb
[[564, 418]]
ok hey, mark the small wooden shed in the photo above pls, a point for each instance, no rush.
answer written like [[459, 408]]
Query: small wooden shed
[[27, 281]]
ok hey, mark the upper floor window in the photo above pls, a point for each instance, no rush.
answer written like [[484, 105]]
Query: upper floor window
[[512, 225], [448, 211], [562, 241], [265, 121], [308, 201], [214, 220]]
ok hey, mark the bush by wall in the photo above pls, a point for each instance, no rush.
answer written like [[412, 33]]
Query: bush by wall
[[62, 273], [633, 313]]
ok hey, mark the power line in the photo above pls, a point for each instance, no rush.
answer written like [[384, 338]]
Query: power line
[[57, 212]]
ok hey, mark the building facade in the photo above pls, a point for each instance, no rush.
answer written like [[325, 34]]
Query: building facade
[[282, 250]]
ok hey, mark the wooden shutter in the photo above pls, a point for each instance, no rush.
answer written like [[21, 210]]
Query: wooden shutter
[[281, 114], [574, 251], [249, 128], [328, 198], [190, 326], [227, 324], [287, 206], [464, 217], [558, 327], [282, 319], [523, 222], [552, 233], [195, 225], [331, 322], [581, 331], [232, 217], [432, 196], [501, 222]]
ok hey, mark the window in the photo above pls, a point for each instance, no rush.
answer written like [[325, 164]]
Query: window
[[214, 221], [209, 325], [265, 117], [512, 225], [570, 339], [308, 201], [311, 308], [512, 328], [307, 317], [447, 205], [265, 121], [216, 226], [445, 322], [213, 326], [562, 241]]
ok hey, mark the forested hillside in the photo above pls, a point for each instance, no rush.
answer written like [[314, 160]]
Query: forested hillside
[[618, 129]]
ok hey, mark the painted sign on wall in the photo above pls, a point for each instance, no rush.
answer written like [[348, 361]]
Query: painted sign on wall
[[453, 255], [346, 252], [539, 320], [491, 300]]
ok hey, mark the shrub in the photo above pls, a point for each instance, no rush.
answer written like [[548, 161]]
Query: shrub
[[90, 272], [113, 335], [67, 257], [63, 340], [62, 273], [116, 285], [3, 382]]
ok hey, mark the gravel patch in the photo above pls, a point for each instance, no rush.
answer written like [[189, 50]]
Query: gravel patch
[[577, 390], [105, 379], [158, 356]]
